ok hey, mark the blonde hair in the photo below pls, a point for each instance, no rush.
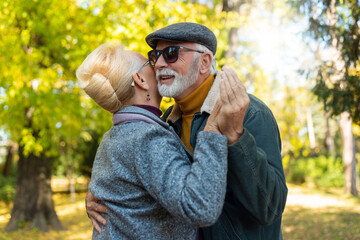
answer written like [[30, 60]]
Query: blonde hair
[[106, 76]]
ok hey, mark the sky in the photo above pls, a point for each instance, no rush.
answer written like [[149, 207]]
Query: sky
[[281, 50]]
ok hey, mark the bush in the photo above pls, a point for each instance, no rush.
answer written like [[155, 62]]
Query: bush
[[322, 171]]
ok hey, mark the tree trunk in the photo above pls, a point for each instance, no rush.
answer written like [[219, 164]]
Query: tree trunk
[[232, 5], [311, 131], [71, 182], [33, 199], [347, 136], [349, 159], [329, 140], [9, 159], [232, 44]]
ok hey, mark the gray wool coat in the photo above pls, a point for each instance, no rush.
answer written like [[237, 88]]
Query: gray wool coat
[[151, 188]]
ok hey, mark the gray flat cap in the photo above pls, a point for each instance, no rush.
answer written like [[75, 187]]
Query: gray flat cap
[[184, 32]]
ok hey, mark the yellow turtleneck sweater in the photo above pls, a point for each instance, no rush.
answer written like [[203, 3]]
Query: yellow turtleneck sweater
[[190, 105]]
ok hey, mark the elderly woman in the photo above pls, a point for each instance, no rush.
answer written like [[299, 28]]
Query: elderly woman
[[151, 185]]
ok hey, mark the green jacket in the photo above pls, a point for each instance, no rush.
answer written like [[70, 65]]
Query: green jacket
[[256, 188]]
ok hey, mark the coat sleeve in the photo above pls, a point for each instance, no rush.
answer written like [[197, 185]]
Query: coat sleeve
[[256, 176], [192, 191]]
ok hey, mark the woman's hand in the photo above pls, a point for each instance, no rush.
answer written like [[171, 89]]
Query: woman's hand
[[93, 210]]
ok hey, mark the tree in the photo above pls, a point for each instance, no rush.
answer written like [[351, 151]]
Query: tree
[[233, 39], [45, 113], [336, 23], [41, 104]]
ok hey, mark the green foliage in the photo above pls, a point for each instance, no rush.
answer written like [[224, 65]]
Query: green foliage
[[41, 106], [291, 118], [7, 189], [336, 23], [322, 171], [42, 109], [337, 99]]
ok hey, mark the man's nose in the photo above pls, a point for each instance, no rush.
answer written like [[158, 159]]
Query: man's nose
[[160, 63]]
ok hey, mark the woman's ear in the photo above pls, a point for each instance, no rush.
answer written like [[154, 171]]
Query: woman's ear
[[140, 81], [205, 63]]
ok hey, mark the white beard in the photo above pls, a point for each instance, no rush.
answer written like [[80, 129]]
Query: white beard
[[180, 83]]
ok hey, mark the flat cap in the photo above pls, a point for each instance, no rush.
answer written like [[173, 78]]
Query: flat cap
[[184, 32]]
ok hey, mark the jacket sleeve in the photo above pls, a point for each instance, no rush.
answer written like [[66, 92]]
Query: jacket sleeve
[[193, 192], [256, 176]]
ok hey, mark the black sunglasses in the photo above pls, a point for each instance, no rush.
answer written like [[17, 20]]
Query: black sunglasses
[[170, 54]]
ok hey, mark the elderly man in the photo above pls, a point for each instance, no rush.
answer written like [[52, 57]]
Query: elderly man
[[183, 59]]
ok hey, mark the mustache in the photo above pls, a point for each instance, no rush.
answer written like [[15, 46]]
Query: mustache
[[165, 72]]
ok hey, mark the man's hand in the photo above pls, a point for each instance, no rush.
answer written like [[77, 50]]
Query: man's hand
[[229, 112], [93, 210]]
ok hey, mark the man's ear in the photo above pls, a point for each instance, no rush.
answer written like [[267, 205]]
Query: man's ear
[[140, 81], [205, 62]]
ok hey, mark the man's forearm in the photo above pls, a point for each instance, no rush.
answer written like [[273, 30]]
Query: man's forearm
[[257, 184]]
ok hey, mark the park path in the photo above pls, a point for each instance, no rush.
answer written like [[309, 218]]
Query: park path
[[310, 197]]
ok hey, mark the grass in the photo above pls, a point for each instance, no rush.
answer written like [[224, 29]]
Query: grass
[[313, 214], [310, 214], [71, 214]]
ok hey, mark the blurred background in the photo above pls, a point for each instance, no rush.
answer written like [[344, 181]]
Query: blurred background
[[301, 57]]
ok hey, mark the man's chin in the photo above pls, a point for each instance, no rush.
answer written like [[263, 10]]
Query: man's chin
[[167, 92]]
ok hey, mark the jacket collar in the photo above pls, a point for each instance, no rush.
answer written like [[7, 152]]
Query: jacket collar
[[208, 104], [141, 111]]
